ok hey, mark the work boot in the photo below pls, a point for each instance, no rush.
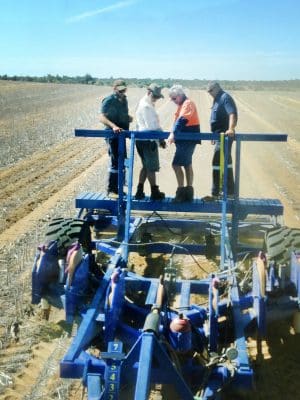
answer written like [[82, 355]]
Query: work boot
[[46, 313], [215, 193], [180, 195], [189, 193], [156, 194], [112, 193], [140, 195]]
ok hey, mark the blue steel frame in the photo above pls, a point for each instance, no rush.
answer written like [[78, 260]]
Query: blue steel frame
[[124, 222], [148, 360]]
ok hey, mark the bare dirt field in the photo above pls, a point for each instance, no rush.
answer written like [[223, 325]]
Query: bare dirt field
[[43, 167]]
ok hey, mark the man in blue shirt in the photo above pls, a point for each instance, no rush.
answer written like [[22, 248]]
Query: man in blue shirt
[[114, 115], [223, 119]]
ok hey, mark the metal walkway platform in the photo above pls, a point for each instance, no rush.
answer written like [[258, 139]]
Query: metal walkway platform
[[243, 206]]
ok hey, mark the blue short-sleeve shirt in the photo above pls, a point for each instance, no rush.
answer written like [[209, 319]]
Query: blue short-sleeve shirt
[[116, 110], [223, 106]]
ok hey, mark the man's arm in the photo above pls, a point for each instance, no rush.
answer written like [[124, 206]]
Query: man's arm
[[109, 123], [232, 124]]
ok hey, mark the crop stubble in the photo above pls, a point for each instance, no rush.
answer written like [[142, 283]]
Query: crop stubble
[[40, 159]]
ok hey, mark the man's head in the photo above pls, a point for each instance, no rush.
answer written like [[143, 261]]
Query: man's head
[[213, 88], [155, 91], [120, 87], [177, 94]]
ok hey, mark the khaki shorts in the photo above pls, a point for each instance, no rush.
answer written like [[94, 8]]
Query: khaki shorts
[[148, 151]]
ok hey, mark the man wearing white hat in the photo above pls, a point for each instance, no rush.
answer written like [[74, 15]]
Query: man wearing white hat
[[147, 120]]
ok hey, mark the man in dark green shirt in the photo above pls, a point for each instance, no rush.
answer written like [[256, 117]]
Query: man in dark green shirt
[[115, 116]]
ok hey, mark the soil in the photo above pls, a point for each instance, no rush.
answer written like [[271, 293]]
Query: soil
[[43, 167]]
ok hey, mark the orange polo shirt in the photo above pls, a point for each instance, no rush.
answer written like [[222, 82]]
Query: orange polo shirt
[[188, 111]]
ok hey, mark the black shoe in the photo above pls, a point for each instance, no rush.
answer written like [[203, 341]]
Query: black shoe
[[189, 193], [156, 194], [139, 195], [180, 195]]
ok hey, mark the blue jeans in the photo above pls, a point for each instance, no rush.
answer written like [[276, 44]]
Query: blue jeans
[[113, 172]]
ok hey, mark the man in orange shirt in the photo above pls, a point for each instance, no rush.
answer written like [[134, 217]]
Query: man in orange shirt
[[186, 120]]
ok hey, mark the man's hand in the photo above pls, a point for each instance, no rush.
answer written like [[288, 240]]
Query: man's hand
[[116, 129], [162, 143], [230, 132], [171, 138]]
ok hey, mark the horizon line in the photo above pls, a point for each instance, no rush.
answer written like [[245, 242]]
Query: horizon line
[[144, 78]]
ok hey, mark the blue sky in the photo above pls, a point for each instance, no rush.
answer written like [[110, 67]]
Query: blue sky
[[191, 39]]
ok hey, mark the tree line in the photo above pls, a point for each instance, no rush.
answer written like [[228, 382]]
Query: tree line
[[87, 79]]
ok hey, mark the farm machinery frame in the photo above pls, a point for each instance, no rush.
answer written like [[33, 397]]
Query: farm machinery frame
[[138, 332]]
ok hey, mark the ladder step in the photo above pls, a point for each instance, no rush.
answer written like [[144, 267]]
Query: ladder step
[[244, 206]]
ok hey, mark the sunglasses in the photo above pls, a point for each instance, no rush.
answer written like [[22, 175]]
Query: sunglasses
[[174, 98], [122, 91], [211, 90]]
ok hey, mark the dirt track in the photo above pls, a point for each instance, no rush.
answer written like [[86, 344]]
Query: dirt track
[[42, 167]]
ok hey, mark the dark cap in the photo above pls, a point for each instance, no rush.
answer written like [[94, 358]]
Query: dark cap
[[155, 90], [119, 84]]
